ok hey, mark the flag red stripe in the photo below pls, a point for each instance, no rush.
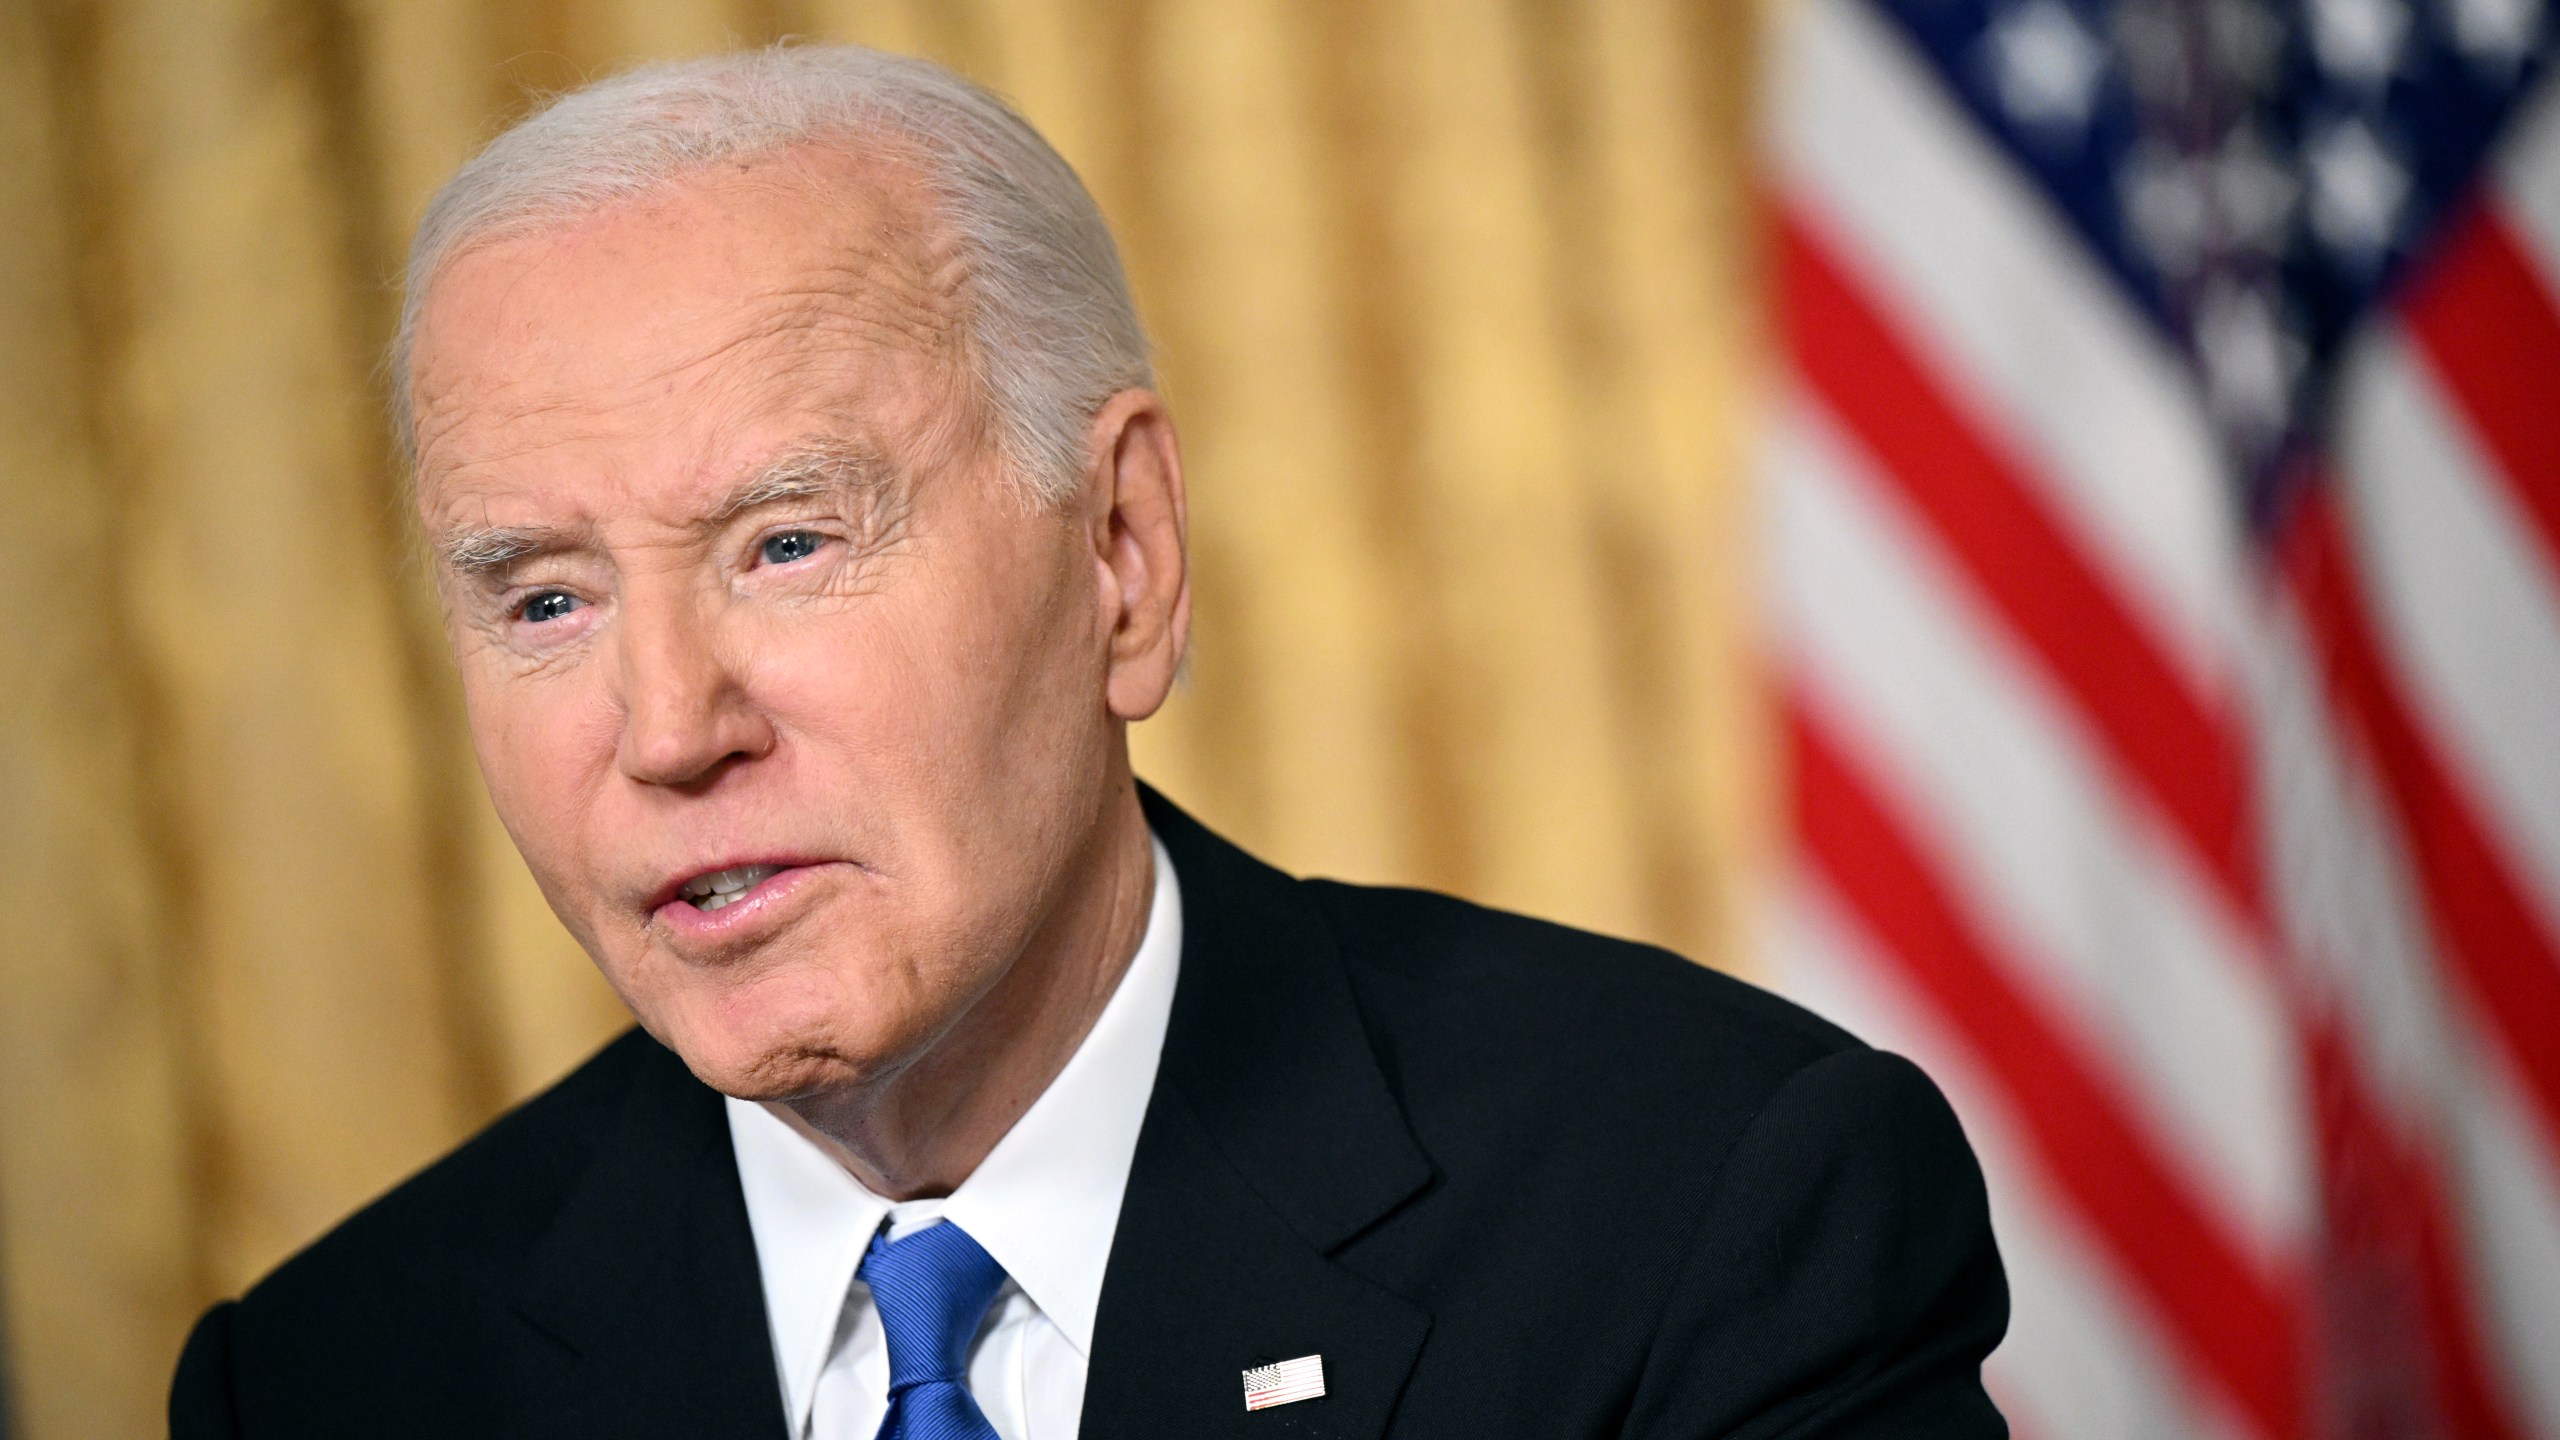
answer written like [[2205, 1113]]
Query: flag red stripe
[[2233, 1327], [2485, 319], [2179, 747], [2484, 928]]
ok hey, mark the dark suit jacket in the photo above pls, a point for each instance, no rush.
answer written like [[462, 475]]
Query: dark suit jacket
[[1508, 1179]]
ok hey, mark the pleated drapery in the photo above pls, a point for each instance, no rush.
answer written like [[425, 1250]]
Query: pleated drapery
[[1451, 305]]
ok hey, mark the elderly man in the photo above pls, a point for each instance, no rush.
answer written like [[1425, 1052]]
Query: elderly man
[[808, 537]]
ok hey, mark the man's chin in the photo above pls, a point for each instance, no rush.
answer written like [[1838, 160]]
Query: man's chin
[[768, 1066], [776, 1075], [790, 1031]]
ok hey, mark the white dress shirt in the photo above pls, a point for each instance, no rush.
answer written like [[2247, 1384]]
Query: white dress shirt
[[1044, 1203]]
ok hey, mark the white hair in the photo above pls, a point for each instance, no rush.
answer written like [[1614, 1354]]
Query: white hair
[[1050, 324]]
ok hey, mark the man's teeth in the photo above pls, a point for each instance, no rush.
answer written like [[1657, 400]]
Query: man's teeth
[[725, 888]]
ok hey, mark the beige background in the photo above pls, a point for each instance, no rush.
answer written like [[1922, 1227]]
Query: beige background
[[1449, 298]]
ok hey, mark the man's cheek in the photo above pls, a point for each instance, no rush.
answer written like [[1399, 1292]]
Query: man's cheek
[[518, 788], [538, 796]]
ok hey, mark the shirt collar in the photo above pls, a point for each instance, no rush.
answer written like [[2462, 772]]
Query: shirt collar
[[811, 1220], [1044, 1202]]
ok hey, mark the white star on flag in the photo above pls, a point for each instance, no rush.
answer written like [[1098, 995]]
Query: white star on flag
[[2047, 65], [2496, 32], [2358, 190], [2360, 40]]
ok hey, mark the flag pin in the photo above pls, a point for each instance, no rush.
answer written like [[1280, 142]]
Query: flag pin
[[1269, 1385]]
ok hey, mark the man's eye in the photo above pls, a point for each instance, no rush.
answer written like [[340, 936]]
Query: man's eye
[[791, 545], [549, 605]]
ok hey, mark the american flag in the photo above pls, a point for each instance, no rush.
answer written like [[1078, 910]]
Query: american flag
[[1269, 1385], [2165, 506]]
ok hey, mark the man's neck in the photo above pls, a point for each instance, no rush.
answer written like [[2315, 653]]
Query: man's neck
[[923, 1130]]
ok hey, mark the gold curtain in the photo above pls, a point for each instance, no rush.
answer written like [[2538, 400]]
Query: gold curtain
[[1449, 294]]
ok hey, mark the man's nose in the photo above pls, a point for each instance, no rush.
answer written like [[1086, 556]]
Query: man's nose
[[685, 714]]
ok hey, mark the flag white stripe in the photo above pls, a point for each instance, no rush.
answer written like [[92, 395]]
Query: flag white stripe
[[2126, 937], [2510, 1196], [2077, 1356], [2018, 317]]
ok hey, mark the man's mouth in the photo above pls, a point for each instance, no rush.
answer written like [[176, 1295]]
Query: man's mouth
[[723, 888]]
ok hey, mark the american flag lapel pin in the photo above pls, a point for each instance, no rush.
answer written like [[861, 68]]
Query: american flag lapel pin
[[1269, 1385]]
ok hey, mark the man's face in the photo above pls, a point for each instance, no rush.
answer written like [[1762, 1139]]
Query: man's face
[[741, 597]]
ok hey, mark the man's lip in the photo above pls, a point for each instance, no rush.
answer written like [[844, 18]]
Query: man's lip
[[753, 915], [673, 890]]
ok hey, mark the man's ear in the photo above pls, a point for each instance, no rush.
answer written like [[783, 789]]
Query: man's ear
[[1138, 523]]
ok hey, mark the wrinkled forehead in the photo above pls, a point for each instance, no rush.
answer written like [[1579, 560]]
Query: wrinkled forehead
[[814, 277]]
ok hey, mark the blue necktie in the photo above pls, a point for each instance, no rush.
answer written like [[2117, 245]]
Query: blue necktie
[[933, 1289]]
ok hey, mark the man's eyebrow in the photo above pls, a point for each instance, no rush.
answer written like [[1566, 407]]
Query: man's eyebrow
[[482, 550], [823, 469]]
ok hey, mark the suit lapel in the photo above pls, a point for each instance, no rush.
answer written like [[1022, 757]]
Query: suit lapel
[[645, 1291], [1271, 1140]]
